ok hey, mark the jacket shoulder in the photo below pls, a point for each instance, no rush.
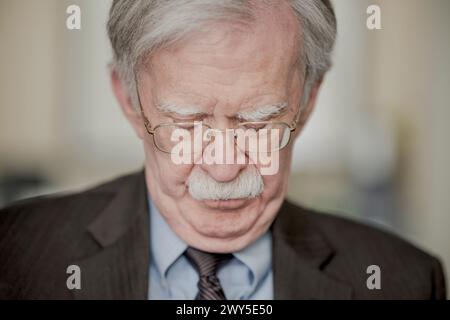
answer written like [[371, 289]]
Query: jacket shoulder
[[40, 237], [405, 268], [61, 205]]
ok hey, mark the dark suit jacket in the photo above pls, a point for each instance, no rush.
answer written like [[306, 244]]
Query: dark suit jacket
[[105, 231]]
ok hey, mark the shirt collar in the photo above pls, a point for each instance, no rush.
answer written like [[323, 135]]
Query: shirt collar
[[257, 257], [166, 246]]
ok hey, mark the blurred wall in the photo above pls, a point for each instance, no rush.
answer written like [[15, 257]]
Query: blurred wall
[[58, 115], [375, 148]]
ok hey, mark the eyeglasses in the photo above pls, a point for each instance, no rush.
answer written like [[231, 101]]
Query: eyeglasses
[[250, 137]]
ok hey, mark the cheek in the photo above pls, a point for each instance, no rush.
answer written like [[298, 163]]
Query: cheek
[[273, 185], [276, 183], [170, 178]]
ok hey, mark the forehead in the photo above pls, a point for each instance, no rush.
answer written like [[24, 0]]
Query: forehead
[[231, 59]]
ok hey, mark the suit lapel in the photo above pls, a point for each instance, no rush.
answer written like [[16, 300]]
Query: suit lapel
[[300, 255], [119, 270]]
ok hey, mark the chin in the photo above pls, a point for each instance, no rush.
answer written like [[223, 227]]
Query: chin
[[227, 231], [226, 225], [223, 244]]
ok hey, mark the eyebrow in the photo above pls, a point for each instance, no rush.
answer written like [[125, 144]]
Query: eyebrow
[[184, 111], [263, 112]]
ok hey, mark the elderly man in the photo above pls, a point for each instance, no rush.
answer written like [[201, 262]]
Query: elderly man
[[188, 75]]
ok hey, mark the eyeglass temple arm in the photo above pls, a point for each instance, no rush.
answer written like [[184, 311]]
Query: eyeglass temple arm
[[294, 124], [146, 121]]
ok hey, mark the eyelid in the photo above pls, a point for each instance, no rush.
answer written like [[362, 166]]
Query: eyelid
[[268, 118], [255, 123], [244, 119], [186, 118]]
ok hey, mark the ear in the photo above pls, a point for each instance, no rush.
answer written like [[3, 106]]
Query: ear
[[309, 107], [123, 96]]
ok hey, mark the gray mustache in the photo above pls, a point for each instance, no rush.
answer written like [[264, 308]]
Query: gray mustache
[[248, 184]]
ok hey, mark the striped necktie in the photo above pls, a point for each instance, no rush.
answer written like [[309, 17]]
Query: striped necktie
[[207, 264]]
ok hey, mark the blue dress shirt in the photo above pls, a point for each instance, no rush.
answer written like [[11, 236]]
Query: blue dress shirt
[[248, 275]]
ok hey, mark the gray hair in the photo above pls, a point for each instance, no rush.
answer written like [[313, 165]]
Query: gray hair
[[137, 28], [248, 184]]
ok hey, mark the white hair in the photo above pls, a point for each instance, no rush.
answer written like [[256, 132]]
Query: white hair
[[137, 28], [248, 184], [263, 112]]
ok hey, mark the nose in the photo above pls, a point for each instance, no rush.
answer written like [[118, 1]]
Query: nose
[[227, 162], [223, 172]]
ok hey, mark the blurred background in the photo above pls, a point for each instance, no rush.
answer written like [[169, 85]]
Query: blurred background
[[376, 149]]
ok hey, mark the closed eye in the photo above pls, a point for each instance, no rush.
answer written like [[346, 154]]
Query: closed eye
[[254, 125], [187, 118]]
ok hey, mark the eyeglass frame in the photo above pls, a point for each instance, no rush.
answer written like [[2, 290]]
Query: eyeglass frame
[[292, 127]]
